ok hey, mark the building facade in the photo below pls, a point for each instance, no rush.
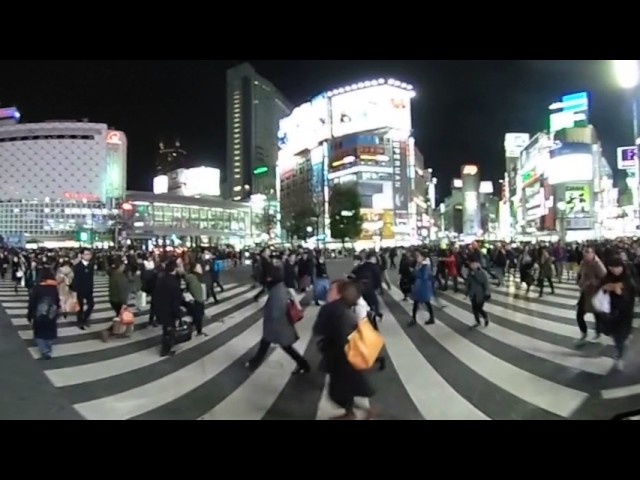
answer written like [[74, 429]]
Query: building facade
[[254, 110], [175, 220], [358, 134], [170, 158], [60, 178]]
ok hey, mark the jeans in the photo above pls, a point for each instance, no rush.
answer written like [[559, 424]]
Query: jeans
[[45, 347]]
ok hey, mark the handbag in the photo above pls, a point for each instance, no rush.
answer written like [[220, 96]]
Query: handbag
[[601, 302], [294, 312], [72, 305], [364, 346], [183, 333], [126, 317]]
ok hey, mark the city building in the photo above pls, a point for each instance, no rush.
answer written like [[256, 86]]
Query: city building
[[359, 134], [176, 220], [558, 185], [170, 158], [61, 180], [254, 110], [472, 209]]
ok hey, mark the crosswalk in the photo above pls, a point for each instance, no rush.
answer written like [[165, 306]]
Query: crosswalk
[[524, 366]]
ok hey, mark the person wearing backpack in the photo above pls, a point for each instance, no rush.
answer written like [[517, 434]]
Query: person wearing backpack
[[43, 312]]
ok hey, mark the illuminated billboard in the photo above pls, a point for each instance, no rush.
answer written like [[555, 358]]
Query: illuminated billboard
[[306, 127], [627, 158], [570, 162], [161, 185], [194, 182], [577, 199], [382, 106], [571, 111], [514, 143]]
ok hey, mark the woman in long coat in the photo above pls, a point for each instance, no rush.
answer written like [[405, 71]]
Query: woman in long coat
[[422, 288], [590, 275], [277, 329], [336, 322]]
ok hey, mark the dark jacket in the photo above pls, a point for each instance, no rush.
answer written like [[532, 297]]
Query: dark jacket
[[167, 298], [290, 274], [368, 276], [44, 306], [335, 323], [82, 282], [119, 288]]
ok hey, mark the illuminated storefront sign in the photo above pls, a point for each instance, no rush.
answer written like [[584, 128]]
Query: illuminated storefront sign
[[627, 157], [90, 197], [114, 138]]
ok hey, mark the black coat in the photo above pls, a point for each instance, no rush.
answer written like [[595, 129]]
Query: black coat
[[167, 299], [44, 327], [334, 325], [82, 283]]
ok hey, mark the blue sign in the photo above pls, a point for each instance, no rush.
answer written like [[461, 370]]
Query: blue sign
[[15, 240], [561, 149], [576, 102]]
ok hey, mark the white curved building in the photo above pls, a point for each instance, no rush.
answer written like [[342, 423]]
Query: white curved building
[[59, 178], [62, 160]]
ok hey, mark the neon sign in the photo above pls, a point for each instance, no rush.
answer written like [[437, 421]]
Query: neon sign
[[114, 138], [81, 196]]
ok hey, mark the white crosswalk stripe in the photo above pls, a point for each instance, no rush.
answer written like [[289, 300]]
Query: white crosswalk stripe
[[523, 366]]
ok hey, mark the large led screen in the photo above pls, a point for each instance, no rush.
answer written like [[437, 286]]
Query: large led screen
[[306, 127], [570, 162], [371, 108]]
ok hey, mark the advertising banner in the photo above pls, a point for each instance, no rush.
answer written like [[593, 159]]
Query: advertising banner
[[627, 158], [370, 109], [306, 127], [577, 199], [514, 143], [377, 223], [400, 179], [570, 162]]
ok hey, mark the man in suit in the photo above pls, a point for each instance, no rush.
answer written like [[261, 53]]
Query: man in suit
[[82, 284]]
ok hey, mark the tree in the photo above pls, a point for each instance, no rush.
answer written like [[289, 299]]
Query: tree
[[625, 195], [344, 212], [299, 221]]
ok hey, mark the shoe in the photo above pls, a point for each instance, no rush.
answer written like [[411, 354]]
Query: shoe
[[302, 370], [581, 341], [430, 322], [486, 322], [168, 354], [412, 323]]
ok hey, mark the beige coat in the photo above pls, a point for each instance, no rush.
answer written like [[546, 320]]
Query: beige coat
[[64, 279]]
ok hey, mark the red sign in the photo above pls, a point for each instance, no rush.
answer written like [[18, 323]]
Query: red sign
[[114, 138], [81, 196]]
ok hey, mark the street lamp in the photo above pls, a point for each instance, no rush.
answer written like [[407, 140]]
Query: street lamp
[[627, 74]]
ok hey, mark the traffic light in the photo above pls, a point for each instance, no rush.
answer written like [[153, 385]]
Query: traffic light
[[84, 237]]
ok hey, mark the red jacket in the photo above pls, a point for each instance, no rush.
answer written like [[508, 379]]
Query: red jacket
[[450, 265]]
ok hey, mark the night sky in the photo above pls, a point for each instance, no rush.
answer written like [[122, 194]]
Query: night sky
[[461, 113]]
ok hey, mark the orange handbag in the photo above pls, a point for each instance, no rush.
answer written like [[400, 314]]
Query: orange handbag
[[72, 305], [126, 317], [364, 346]]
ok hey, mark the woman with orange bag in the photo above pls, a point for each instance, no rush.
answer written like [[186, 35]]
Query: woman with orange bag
[[335, 324]]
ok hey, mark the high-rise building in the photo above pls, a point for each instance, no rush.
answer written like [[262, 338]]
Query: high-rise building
[[170, 158], [254, 110]]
